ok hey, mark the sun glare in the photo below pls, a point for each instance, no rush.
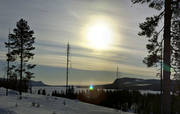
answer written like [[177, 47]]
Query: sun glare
[[99, 36]]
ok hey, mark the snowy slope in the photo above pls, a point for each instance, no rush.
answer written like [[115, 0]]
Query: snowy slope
[[47, 105]]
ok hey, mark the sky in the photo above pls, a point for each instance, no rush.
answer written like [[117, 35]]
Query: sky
[[102, 35]]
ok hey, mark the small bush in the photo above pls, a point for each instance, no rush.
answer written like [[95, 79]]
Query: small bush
[[33, 104], [38, 105], [16, 105]]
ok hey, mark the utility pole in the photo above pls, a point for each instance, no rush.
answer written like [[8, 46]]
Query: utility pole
[[8, 65], [67, 67], [117, 73]]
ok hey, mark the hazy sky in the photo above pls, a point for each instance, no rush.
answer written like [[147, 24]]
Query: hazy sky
[[55, 22]]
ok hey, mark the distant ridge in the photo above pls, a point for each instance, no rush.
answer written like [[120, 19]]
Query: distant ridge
[[137, 84], [37, 83]]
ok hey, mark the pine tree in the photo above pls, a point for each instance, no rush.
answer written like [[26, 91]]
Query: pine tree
[[149, 28], [176, 47], [21, 45]]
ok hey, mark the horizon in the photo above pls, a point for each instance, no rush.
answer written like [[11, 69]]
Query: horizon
[[97, 84]]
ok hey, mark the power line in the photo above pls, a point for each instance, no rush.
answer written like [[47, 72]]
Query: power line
[[117, 73]]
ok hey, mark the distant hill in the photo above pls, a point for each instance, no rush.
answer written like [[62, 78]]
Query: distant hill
[[37, 83], [137, 84]]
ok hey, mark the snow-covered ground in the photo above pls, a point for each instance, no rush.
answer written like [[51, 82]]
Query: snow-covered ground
[[38, 104]]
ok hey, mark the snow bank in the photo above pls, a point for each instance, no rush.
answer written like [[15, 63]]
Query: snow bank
[[38, 104]]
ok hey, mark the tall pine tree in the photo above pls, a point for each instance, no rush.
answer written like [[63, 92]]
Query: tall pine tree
[[21, 45], [149, 28]]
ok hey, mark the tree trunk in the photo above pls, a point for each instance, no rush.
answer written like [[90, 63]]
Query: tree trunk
[[166, 98], [21, 69]]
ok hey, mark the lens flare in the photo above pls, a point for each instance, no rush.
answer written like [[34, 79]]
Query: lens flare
[[91, 87]]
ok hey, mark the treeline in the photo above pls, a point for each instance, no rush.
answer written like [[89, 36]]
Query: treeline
[[124, 100], [70, 93], [14, 84]]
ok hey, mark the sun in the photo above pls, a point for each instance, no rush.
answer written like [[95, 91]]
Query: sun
[[99, 36]]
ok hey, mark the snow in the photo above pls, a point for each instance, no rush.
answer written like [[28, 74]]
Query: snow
[[149, 91], [38, 104]]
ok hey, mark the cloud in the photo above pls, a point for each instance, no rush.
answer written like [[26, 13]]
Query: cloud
[[54, 54]]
